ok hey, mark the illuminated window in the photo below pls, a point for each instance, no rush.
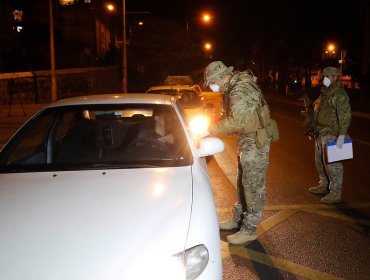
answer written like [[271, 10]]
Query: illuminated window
[[17, 15], [87, 1], [66, 2]]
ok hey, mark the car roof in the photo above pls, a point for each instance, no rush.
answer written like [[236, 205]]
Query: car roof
[[115, 99], [163, 87]]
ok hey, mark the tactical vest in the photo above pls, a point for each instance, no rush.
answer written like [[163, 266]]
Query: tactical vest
[[326, 114], [261, 123]]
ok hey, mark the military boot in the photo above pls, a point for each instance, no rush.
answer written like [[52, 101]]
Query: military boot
[[241, 237], [331, 198], [319, 190], [229, 225]]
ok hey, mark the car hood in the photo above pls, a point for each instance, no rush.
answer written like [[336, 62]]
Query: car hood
[[91, 224]]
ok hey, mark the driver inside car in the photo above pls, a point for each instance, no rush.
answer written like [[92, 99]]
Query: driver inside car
[[154, 138], [160, 130]]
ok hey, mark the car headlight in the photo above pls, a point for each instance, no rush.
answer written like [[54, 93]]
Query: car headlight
[[199, 126], [194, 260], [186, 265]]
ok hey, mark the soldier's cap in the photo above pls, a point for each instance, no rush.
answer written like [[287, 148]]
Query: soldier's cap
[[330, 71], [215, 71]]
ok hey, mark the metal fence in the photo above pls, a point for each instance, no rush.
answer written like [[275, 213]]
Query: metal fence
[[35, 87]]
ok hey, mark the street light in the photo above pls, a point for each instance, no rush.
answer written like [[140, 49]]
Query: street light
[[332, 52], [207, 46], [110, 7], [204, 18], [208, 49], [330, 49]]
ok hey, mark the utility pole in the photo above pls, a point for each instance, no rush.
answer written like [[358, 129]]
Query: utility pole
[[342, 55], [52, 57], [124, 54]]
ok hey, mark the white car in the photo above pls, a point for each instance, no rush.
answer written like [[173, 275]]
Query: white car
[[108, 187]]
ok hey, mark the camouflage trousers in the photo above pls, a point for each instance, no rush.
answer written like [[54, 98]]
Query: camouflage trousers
[[251, 183], [330, 174]]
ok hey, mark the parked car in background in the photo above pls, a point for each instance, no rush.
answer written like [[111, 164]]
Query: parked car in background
[[182, 80], [199, 113], [108, 187]]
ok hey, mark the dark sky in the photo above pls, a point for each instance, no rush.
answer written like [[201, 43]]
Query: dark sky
[[239, 23]]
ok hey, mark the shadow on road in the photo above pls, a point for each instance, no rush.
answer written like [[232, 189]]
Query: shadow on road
[[361, 219]]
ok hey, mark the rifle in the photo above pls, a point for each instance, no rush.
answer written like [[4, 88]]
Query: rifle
[[225, 106], [310, 119]]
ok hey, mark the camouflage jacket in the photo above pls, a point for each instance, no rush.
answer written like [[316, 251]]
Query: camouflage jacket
[[244, 97], [333, 111]]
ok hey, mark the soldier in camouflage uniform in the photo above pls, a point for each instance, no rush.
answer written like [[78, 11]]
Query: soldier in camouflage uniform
[[333, 117], [244, 96]]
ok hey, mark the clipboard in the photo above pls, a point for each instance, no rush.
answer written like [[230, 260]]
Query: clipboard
[[334, 154]]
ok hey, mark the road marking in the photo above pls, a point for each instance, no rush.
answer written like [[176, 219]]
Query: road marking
[[276, 262], [274, 220], [316, 206], [361, 141], [338, 216], [286, 211], [263, 227], [305, 206]]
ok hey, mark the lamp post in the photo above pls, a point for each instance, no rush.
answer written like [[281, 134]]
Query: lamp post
[[342, 55], [52, 56], [330, 50], [124, 54], [110, 7]]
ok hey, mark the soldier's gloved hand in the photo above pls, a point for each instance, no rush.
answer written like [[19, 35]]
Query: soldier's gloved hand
[[340, 141]]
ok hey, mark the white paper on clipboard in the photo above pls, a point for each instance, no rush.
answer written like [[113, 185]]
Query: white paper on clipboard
[[334, 154]]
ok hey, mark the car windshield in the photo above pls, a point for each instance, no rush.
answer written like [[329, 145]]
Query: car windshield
[[187, 98], [98, 137]]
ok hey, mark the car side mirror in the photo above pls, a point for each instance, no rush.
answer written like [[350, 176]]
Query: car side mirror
[[209, 146]]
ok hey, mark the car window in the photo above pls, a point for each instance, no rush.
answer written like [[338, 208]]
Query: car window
[[98, 136], [30, 146], [189, 99]]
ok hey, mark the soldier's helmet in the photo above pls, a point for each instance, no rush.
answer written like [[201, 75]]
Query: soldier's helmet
[[215, 71], [330, 71]]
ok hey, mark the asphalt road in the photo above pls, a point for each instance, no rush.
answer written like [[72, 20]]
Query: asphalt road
[[299, 238]]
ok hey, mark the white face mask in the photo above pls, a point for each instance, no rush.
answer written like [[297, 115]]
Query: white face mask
[[326, 82], [214, 87]]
